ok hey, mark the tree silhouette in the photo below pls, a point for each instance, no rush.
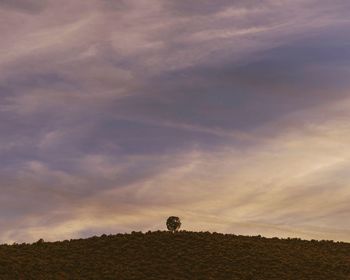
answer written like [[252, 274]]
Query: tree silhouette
[[173, 223]]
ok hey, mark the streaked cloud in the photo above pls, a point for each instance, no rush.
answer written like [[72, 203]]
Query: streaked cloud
[[116, 114]]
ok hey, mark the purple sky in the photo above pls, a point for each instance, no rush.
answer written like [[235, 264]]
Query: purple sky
[[233, 115]]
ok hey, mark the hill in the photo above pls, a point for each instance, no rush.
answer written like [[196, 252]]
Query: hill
[[183, 255]]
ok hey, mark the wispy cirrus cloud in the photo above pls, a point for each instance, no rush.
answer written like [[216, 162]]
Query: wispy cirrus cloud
[[115, 114]]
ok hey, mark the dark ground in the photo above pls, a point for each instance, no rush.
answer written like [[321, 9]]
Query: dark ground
[[183, 255]]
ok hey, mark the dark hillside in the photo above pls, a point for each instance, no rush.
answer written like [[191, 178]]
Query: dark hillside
[[183, 255]]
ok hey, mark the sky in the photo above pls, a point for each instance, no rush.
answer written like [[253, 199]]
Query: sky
[[232, 115]]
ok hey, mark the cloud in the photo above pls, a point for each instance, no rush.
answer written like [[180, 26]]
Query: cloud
[[116, 114], [292, 185], [30, 6]]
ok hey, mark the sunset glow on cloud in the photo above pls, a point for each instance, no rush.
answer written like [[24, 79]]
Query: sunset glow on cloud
[[233, 115]]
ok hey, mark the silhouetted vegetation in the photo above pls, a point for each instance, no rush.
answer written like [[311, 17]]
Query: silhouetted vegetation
[[182, 255], [173, 223]]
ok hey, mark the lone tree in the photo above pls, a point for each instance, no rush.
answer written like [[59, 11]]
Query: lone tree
[[173, 223]]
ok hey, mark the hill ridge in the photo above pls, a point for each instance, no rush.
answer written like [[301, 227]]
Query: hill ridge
[[179, 255]]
